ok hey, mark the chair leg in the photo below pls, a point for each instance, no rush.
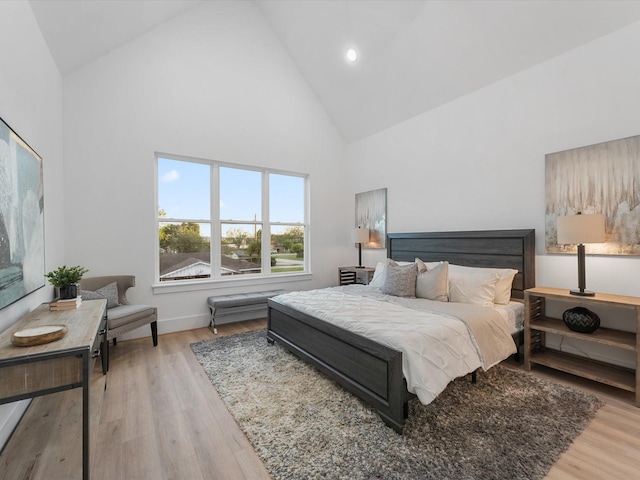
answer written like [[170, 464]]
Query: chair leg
[[154, 333]]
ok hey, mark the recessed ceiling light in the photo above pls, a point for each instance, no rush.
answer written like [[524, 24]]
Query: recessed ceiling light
[[352, 55]]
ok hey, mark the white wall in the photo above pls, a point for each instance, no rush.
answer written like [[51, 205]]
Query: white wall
[[478, 163], [214, 83], [31, 103]]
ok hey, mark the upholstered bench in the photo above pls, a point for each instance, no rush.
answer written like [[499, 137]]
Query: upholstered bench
[[238, 303]]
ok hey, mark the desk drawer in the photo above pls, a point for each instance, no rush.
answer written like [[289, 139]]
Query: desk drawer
[[41, 375]]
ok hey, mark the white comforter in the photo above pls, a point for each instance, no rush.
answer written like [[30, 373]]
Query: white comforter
[[436, 347]]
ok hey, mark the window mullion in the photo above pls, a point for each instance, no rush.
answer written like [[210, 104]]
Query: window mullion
[[216, 228], [266, 226]]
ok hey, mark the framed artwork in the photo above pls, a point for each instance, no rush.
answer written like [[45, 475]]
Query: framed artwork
[[21, 218], [371, 213], [602, 178]]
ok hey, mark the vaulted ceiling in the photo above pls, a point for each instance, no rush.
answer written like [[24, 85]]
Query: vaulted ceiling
[[414, 55]]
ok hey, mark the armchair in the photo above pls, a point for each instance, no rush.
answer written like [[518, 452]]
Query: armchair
[[125, 316]]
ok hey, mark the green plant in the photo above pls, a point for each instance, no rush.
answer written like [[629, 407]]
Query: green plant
[[64, 276]]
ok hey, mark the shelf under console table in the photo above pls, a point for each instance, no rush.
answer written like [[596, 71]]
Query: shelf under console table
[[538, 324], [28, 372]]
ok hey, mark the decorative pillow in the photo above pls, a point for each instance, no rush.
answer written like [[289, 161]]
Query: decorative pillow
[[400, 280], [505, 280], [427, 265], [433, 283], [478, 287], [503, 287], [378, 275], [110, 292], [381, 272]]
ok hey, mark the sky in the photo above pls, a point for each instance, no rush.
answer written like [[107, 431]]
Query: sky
[[184, 193]]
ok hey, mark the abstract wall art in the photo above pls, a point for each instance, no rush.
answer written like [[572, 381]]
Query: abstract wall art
[[371, 213], [21, 218], [602, 178]]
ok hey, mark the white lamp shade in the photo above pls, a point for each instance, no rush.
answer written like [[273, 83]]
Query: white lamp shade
[[360, 235], [576, 229]]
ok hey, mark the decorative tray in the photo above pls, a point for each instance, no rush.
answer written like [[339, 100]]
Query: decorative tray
[[29, 337]]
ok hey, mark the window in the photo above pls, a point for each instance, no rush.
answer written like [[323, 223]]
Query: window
[[218, 220]]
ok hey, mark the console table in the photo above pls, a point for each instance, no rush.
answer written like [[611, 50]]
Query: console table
[[27, 372]]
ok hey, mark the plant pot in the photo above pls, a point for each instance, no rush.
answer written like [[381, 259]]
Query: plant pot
[[70, 291]]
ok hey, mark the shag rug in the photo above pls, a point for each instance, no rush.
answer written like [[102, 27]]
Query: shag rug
[[510, 425]]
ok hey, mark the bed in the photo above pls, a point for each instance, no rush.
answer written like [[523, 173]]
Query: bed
[[370, 369]]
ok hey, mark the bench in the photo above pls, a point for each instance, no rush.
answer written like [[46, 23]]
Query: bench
[[223, 305]]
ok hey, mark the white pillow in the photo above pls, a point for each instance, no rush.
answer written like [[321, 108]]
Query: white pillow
[[478, 287], [428, 265], [381, 270], [503, 287], [433, 283], [378, 275]]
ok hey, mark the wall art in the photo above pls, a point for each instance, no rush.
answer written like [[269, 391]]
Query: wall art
[[21, 218], [602, 178], [371, 213]]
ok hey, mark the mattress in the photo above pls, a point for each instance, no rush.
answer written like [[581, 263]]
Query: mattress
[[513, 315]]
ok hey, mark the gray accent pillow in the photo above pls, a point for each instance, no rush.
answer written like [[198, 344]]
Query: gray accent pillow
[[110, 292], [400, 280]]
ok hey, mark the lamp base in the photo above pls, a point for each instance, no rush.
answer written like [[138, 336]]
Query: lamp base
[[582, 293]]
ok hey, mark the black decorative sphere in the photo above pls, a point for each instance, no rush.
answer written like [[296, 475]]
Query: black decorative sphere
[[580, 319]]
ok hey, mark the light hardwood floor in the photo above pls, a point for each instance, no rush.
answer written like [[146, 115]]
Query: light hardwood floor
[[160, 418]]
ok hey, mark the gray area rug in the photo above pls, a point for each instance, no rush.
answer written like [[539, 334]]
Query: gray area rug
[[510, 425]]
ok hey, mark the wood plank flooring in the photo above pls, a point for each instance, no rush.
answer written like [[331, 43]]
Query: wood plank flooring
[[160, 418]]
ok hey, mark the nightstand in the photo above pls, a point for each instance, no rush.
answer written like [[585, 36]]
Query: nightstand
[[537, 323], [349, 275]]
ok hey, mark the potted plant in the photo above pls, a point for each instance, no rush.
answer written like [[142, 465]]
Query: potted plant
[[66, 279]]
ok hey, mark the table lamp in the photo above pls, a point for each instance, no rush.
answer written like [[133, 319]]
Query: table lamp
[[580, 229], [360, 236]]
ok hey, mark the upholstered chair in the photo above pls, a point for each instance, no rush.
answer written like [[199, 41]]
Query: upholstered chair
[[122, 316]]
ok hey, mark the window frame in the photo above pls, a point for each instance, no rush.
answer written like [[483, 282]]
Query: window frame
[[217, 280]]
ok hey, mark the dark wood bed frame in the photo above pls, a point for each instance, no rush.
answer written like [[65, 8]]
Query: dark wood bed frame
[[372, 371]]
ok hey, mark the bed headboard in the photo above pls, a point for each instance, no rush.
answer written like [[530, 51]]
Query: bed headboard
[[483, 248]]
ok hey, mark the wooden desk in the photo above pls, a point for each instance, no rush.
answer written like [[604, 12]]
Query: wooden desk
[[27, 372]]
